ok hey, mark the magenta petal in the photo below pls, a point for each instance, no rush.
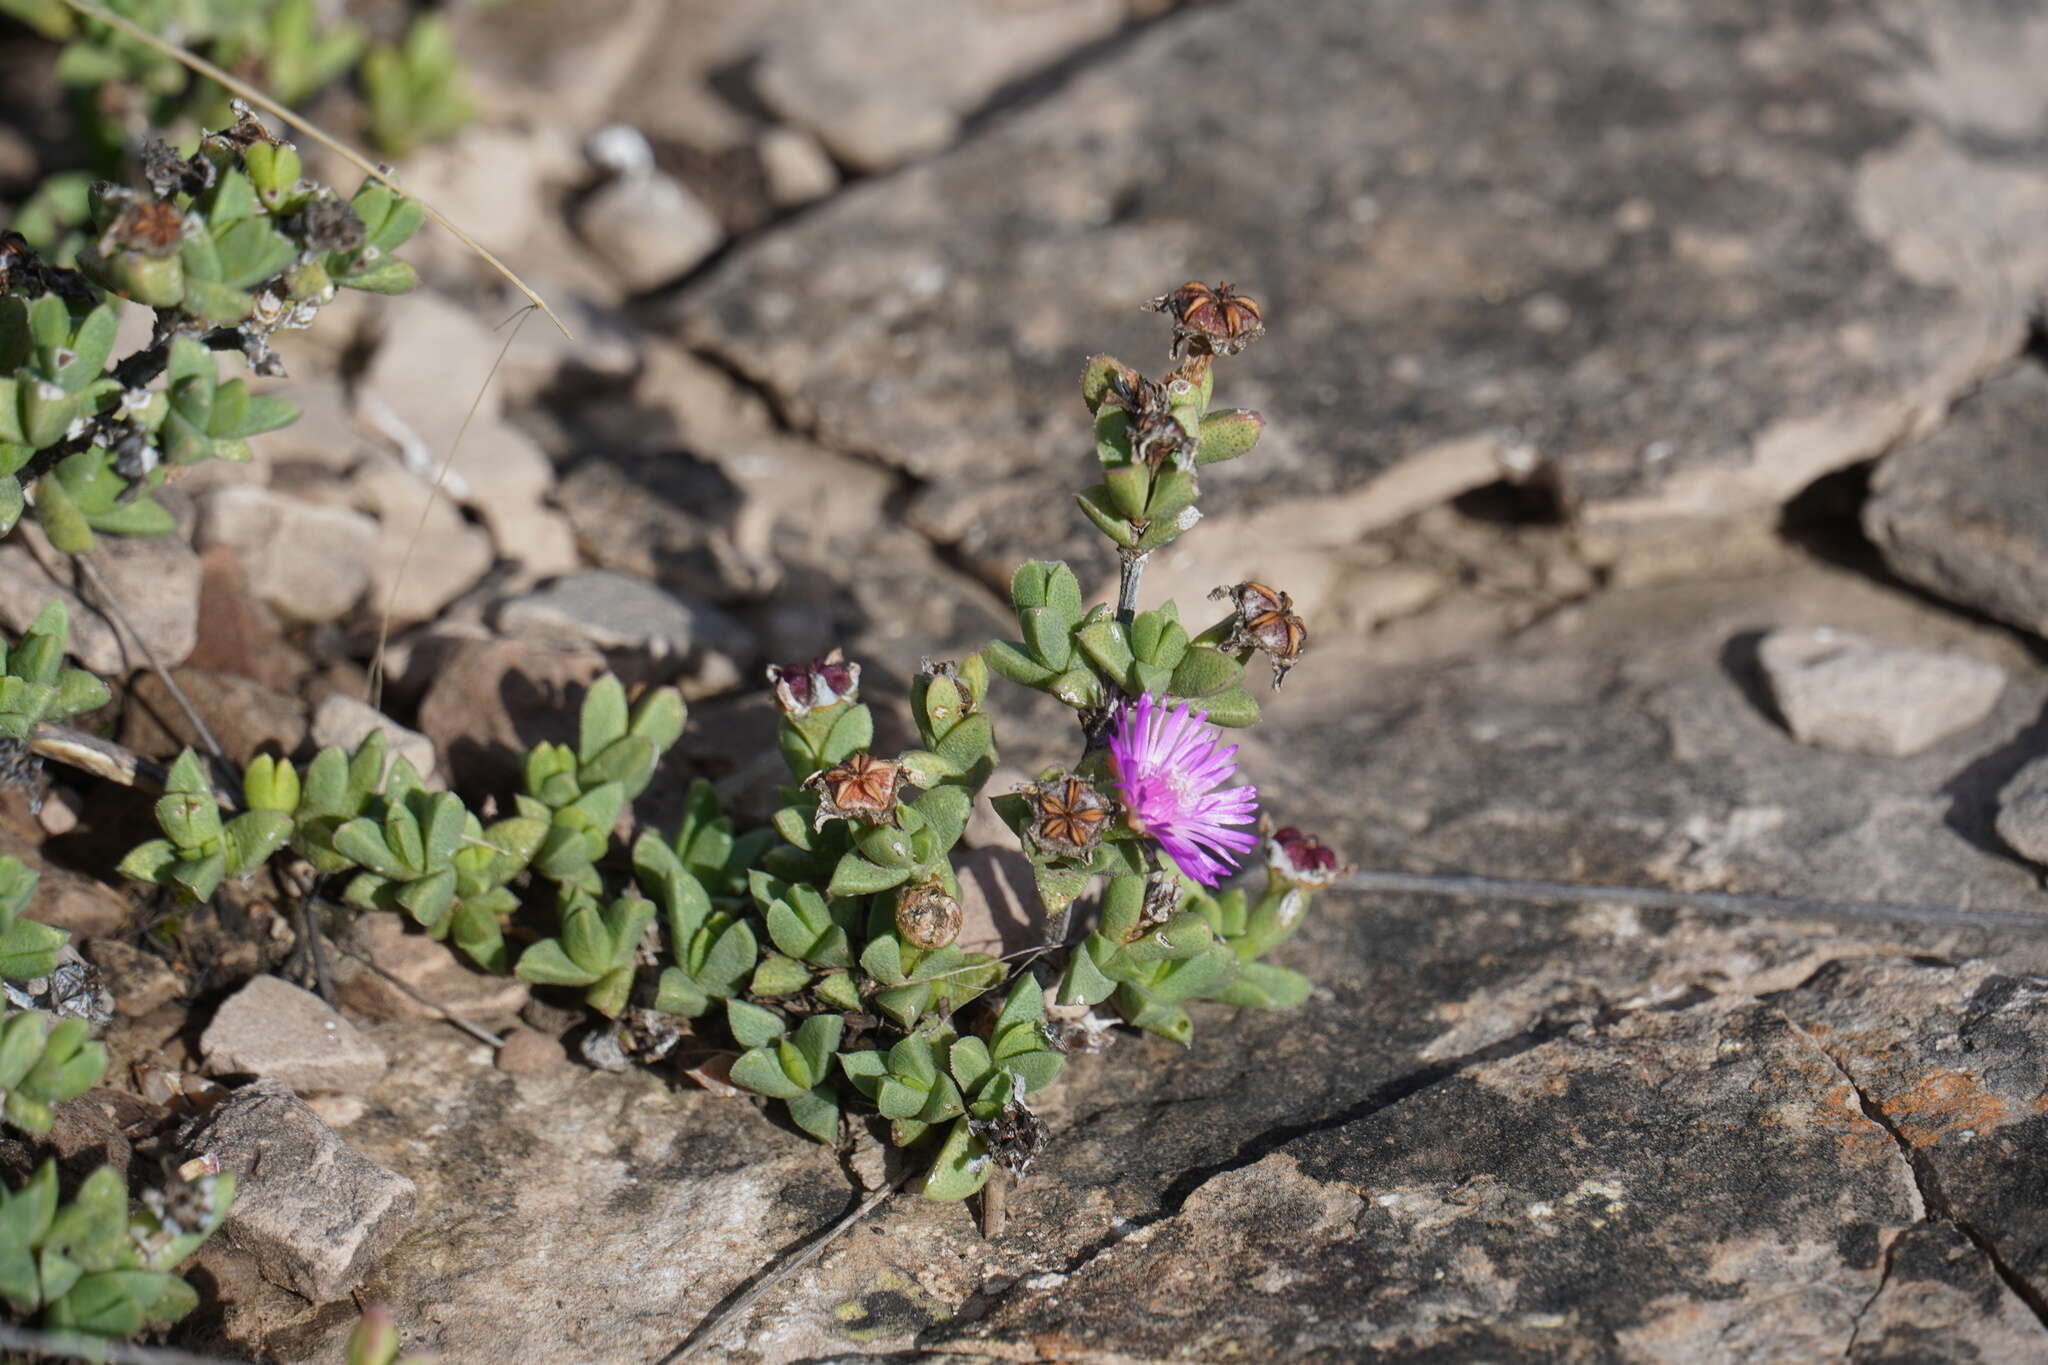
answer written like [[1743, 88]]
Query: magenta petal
[[1171, 767]]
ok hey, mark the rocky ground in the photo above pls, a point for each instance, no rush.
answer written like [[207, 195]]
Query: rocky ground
[[1653, 401]]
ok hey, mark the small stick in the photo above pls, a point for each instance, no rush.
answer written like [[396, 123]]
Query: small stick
[[113, 606], [995, 1204], [1711, 902], [474, 1030]]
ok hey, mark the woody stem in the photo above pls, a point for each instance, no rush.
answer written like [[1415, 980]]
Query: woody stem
[[1132, 566]]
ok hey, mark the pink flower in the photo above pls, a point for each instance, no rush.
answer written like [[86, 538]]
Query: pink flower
[[1169, 767]]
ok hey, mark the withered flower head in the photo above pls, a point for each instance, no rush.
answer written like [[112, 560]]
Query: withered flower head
[[329, 225], [1070, 815], [1217, 321], [1157, 437], [1013, 1137], [149, 226], [1301, 859], [1265, 621], [926, 916], [802, 688], [862, 788], [167, 173]]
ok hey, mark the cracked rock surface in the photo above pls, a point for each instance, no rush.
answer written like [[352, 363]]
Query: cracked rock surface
[[1683, 259], [1588, 320]]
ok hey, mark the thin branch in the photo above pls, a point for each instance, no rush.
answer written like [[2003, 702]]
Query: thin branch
[[114, 609], [1711, 902], [420, 528], [270, 106], [474, 1030]]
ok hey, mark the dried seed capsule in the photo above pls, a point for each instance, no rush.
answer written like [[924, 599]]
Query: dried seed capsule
[[1070, 815], [862, 788], [1014, 1136], [802, 688], [927, 916], [1266, 622], [1217, 321], [1157, 437], [147, 225]]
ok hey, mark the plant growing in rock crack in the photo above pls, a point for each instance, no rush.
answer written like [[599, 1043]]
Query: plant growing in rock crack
[[99, 1264], [228, 246], [822, 954]]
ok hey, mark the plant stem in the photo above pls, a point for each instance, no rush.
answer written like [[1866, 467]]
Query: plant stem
[[1132, 567]]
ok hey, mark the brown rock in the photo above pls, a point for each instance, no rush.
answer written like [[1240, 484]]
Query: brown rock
[[493, 700], [246, 717], [529, 1053], [316, 1215], [237, 633], [140, 982], [79, 905], [273, 1029], [432, 970], [155, 580], [430, 561], [309, 561]]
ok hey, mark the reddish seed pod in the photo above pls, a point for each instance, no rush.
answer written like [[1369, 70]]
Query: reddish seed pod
[[1071, 814], [1218, 321], [1266, 621], [862, 788]]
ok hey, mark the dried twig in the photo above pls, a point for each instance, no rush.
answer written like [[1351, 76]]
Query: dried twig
[[1709, 902], [473, 1029], [112, 604]]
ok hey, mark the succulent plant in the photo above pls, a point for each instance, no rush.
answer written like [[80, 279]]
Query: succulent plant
[[415, 89], [228, 246], [98, 1264], [286, 47], [35, 686], [27, 949], [44, 1063], [824, 955]]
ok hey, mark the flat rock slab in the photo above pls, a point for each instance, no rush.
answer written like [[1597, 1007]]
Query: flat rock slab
[[1963, 513], [1685, 258], [1854, 695], [1686, 1186], [313, 1213], [273, 1029]]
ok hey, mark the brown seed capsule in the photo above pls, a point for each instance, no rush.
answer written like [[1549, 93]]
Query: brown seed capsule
[[862, 788], [1070, 814], [1157, 437], [1219, 321], [1013, 1137], [149, 226], [1265, 622], [926, 916], [802, 688]]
